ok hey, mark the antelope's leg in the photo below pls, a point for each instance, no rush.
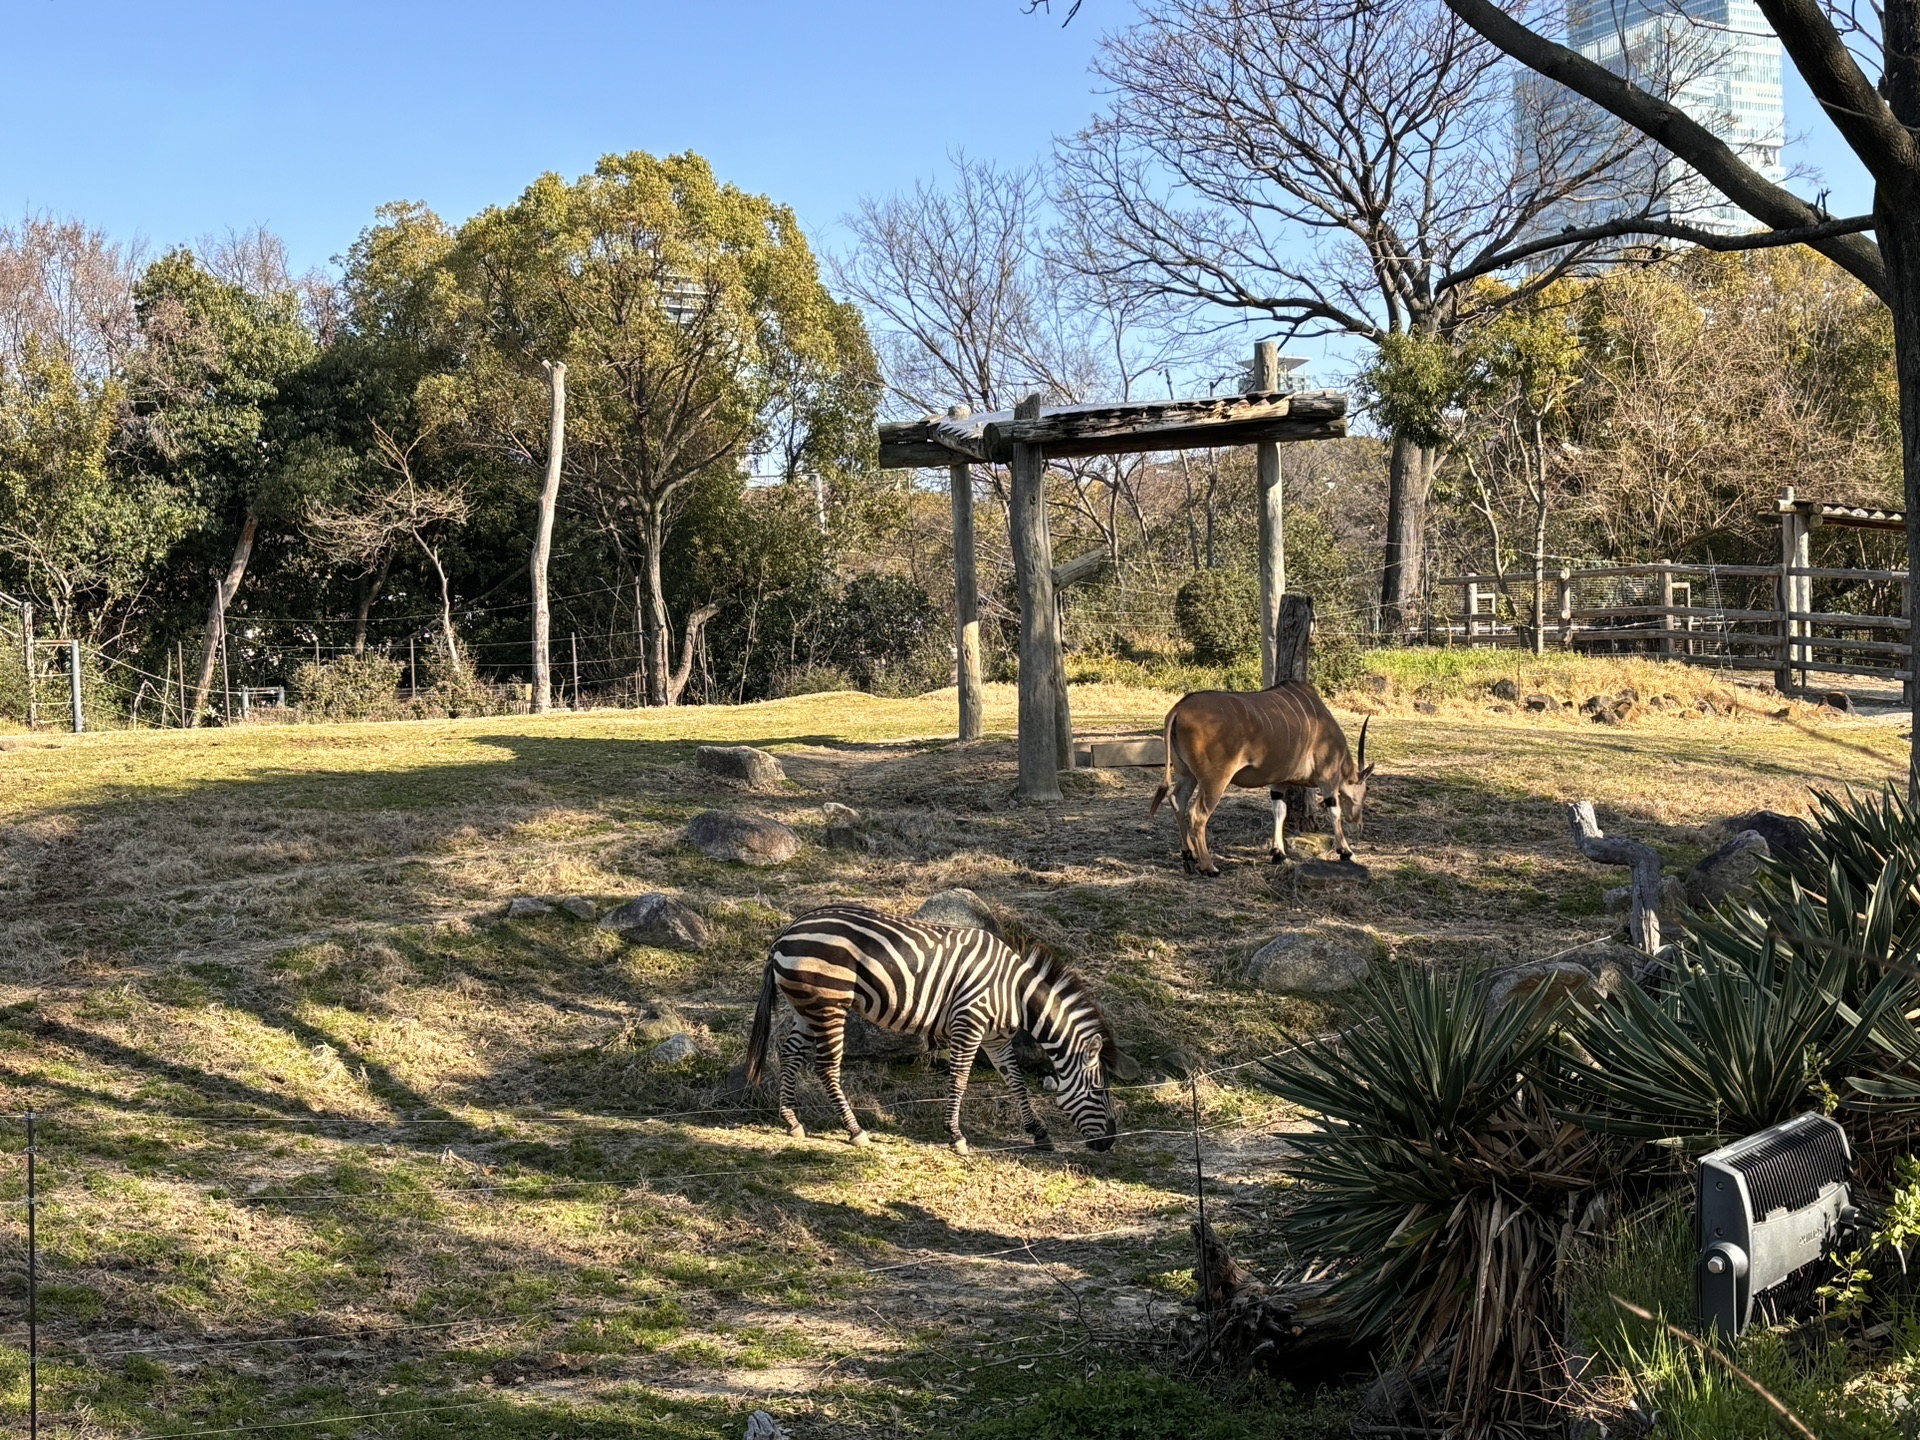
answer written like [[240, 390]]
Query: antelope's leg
[[793, 1055], [964, 1038], [1182, 809], [1279, 824], [1206, 799], [1340, 846], [829, 1049], [1000, 1051]]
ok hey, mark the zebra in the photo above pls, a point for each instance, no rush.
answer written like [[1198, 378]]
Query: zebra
[[964, 986]]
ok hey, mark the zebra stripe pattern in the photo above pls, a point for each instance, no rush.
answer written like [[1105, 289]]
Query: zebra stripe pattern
[[964, 988]]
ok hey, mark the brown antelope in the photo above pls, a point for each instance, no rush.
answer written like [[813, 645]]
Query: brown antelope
[[1277, 737]]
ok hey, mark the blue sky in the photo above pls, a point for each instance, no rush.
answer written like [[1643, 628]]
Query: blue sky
[[178, 120]]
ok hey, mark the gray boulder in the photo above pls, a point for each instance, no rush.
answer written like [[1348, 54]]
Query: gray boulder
[[843, 828], [674, 1049], [525, 907], [1784, 834], [1506, 690], [744, 839], [753, 768], [658, 920], [1544, 980], [1545, 704], [960, 908], [1729, 872], [579, 907], [1311, 962]]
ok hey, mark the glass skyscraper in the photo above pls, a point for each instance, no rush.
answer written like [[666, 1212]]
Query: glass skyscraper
[[1716, 59]]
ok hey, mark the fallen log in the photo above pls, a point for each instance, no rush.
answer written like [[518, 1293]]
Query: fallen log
[[1241, 1325], [1643, 860]]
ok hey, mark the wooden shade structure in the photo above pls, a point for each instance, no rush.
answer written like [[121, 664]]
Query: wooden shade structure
[[1023, 439]]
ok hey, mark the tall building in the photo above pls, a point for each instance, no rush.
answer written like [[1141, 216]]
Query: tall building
[[1716, 59]]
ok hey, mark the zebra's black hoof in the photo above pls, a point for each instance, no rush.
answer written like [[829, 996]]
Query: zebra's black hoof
[[1041, 1140]]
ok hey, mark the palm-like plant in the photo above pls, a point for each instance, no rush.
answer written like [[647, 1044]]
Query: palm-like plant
[[1438, 1173]]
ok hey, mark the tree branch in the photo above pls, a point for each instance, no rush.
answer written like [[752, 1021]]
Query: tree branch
[[1848, 96], [1664, 229], [1679, 132]]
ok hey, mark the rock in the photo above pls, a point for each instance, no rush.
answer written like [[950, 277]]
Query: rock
[[867, 1041], [837, 814], [1729, 872], [745, 839], [1125, 1068], [1180, 1065], [1375, 684], [1507, 690], [735, 1085], [1546, 979], [1501, 709], [960, 908], [1707, 705], [1310, 962], [843, 828], [674, 1049], [753, 768], [1594, 704], [579, 907], [1839, 700], [1545, 704], [660, 920], [762, 1426], [1784, 834], [1629, 694], [1426, 707], [525, 907]]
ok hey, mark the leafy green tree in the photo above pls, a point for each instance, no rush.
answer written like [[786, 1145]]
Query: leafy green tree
[[205, 385], [696, 332]]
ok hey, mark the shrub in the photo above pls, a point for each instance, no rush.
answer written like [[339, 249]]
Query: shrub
[[880, 624], [1218, 612], [353, 687], [811, 680]]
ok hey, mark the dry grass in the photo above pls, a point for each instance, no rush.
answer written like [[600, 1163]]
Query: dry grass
[[302, 1077]]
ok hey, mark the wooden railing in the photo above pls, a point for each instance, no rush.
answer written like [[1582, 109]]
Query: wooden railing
[[1735, 616]]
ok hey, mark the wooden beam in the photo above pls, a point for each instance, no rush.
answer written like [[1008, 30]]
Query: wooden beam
[[1039, 622], [966, 598], [1272, 521]]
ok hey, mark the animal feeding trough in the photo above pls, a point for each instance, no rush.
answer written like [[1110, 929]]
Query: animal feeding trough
[[1767, 1206]]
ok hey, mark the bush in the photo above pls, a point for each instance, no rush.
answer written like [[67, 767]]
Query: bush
[[353, 687], [1218, 612], [881, 625], [811, 680]]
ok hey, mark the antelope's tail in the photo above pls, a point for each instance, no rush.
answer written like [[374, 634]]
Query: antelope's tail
[[1166, 783], [762, 1028]]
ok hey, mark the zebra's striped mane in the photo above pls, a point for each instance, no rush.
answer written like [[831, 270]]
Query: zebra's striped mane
[[1057, 974]]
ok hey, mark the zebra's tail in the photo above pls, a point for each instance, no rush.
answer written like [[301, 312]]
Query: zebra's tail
[[1166, 783], [762, 1028]]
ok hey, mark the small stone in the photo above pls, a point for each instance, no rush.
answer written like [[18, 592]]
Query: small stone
[[1784, 834], [845, 837], [1707, 705], [1501, 709], [1839, 700], [674, 1049], [1426, 707], [753, 768], [1629, 694], [960, 908], [745, 839], [1310, 962], [1729, 872], [525, 907], [736, 1083], [762, 1426], [838, 814], [658, 920], [1507, 690], [579, 907], [1542, 703], [1594, 704]]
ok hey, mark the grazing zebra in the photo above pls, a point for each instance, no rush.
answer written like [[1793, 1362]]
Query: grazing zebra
[[964, 986]]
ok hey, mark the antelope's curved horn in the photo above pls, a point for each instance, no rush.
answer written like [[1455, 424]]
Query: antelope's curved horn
[[1361, 763]]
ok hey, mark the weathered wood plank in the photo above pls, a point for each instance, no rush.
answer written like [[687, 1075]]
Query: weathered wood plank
[[1040, 756], [1272, 510], [966, 600]]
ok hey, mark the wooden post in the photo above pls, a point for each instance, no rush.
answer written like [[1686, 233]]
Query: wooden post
[[1566, 608], [1666, 609], [573, 645], [1473, 611], [186, 716], [166, 694], [73, 681], [413, 674], [33, 680], [1643, 860], [1039, 637], [966, 596], [1795, 553], [1273, 540], [1293, 659], [543, 536], [226, 675], [1907, 686], [1062, 707]]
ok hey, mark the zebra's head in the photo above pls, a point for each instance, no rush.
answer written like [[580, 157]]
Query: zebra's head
[[1086, 1071]]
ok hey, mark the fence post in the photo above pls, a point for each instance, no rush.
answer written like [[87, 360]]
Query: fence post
[[573, 648], [33, 1289], [1907, 687], [1473, 612], [26, 645], [73, 676], [1666, 608], [180, 654], [966, 596], [1040, 760], [1566, 607], [1272, 527]]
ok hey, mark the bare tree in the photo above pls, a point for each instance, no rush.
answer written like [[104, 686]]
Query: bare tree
[[68, 288], [1339, 169]]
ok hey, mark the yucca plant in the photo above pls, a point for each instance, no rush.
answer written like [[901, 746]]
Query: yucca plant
[[1438, 1177]]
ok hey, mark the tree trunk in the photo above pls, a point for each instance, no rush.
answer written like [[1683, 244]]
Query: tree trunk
[[1897, 223], [223, 592], [1409, 481], [369, 593], [543, 539], [696, 625], [659, 633]]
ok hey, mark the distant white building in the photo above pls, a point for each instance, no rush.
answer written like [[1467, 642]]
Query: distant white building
[[1718, 60]]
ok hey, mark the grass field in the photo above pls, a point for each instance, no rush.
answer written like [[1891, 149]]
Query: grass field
[[327, 1136]]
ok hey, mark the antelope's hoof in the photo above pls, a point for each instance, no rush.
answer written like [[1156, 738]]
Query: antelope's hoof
[[1347, 855], [1277, 857], [960, 1146], [1187, 864], [1213, 874], [860, 1140]]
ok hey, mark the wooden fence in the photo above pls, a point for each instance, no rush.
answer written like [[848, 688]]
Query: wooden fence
[[1745, 617]]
